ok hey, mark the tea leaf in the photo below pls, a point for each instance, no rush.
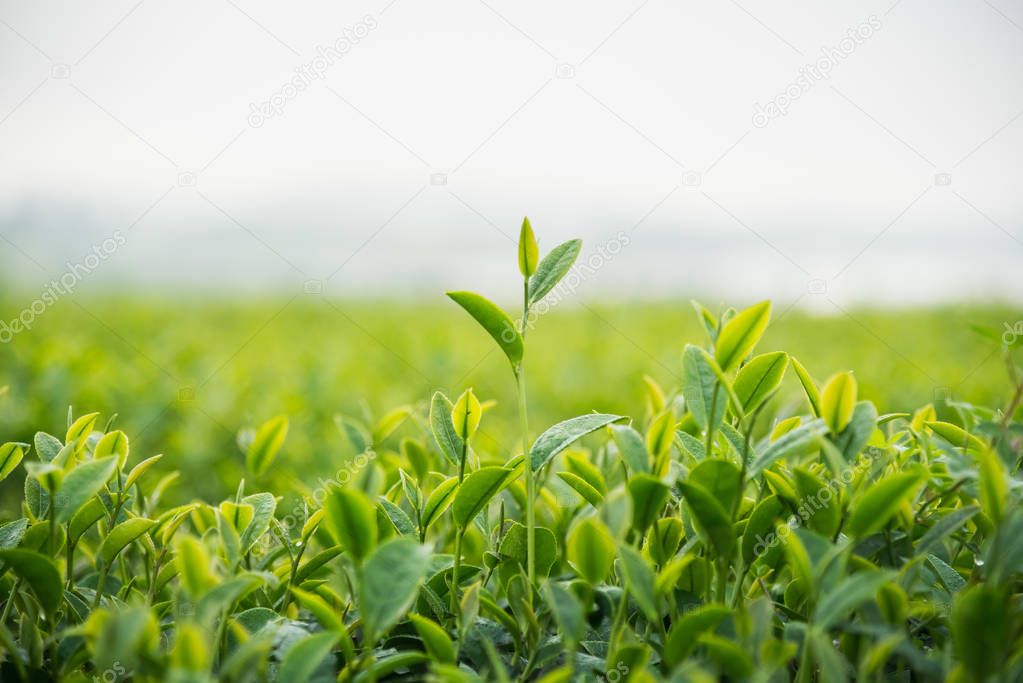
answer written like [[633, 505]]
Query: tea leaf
[[466, 415], [740, 334], [114, 443], [268, 441], [495, 321], [438, 501], [712, 521], [591, 550], [352, 521], [880, 502], [390, 580], [639, 579], [122, 535], [848, 595], [10, 455], [838, 400], [759, 378], [564, 434], [305, 656], [554, 266], [444, 432], [476, 491], [529, 253], [436, 640], [39, 572], [84, 482], [698, 386]]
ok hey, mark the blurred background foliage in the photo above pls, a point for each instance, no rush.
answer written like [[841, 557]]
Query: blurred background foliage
[[187, 374]]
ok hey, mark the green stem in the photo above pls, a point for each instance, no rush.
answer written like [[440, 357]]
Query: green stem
[[520, 386], [99, 585], [711, 418], [456, 571]]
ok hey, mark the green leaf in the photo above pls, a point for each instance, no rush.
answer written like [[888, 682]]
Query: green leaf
[[856, 434], [12, 532], [759, 534], [466, 415], [122, 535], [443, 429], [797, 442], [435, 639], [713, 522], [268, 441], [136, 472], [116, 444], [719, 478], [39, 572], [698, 382], [263, 507], [514, 546], [529, 253], [740, 335], [819, 500], [402, 523], [948, 524], [848, 595], [352, 521], [759, 378], [632, 448], [552, 268], [582, 487], [303, 658], [81, 427], [495, 321], [639, 579], [809, 387], [591, 550], [838, 400], [982, 629], [686, 630], [567, 611], [10, 455], [476, 490], [390, 582], [438, 501], [564, 434], [994, 485], [84, 482], [649, 494], [880, 502], [326, 614]]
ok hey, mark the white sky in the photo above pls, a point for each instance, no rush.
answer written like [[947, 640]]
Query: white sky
[[107, 107]]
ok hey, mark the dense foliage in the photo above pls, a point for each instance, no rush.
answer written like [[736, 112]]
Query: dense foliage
[[698, 540]]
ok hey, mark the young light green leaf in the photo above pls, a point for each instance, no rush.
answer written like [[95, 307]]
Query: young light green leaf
[[352, 521], [796, 442], [529, 253], [268, 441], [116, 444], [438, 501], [649, 494], [630, 445], [740, 335], [838, 400], [879, 503], [136, 472], [122, 535], [591, 550], [698, 381], [495, 321], [466, 415], [582, 487], [564, 434], [759, 378], [443, 429], [10, 455], [552, 268], [475, 491], [809, 387], [435, 639]]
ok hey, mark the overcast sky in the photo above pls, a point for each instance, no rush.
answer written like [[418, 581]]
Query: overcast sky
[[745, 149]]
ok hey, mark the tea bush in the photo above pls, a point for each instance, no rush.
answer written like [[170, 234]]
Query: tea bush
[[701, 539]]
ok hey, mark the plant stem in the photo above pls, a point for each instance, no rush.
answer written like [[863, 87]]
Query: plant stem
[[455, 572], [711, 418], [520, 386]]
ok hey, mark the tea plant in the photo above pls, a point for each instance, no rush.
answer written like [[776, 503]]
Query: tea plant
[[714, 536]]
